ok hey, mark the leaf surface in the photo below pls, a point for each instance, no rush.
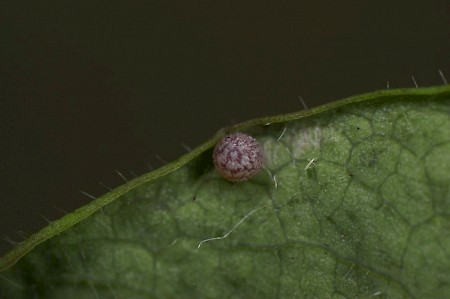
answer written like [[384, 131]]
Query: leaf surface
[[354, 202]]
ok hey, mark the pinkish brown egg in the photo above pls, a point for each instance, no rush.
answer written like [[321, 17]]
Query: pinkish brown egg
[[238, 157]]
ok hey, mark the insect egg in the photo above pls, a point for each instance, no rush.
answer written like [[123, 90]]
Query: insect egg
[[238, 157]]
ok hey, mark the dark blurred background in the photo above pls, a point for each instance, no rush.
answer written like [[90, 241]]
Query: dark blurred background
[[90, 87]]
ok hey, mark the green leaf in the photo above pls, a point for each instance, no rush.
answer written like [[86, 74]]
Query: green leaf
[[354, 202]]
